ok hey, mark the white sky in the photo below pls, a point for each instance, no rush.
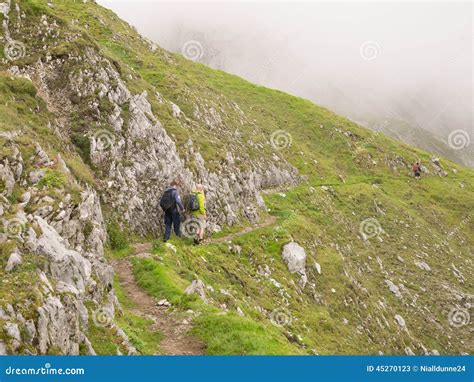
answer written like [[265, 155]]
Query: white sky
[[422, 71]]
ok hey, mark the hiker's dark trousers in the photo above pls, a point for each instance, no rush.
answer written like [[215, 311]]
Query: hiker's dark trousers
[[172, 218]]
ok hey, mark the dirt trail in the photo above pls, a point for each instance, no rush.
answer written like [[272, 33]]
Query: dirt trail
[[175, 338], [269, 221]]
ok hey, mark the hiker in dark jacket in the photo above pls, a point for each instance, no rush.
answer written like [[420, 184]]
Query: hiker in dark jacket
[[172, 205]]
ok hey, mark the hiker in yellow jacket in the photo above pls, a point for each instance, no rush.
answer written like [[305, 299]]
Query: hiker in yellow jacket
[[200, 214]]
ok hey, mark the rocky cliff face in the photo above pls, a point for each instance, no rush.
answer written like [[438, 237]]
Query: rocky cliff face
[[134, 156], [90, 108], [63, 236]]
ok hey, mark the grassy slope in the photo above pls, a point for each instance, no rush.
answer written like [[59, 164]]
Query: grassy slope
[[325, 223]]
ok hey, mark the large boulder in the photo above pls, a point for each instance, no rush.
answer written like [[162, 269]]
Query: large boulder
[[294, 256]]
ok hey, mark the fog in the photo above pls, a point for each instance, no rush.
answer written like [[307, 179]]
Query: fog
[[371, 61]]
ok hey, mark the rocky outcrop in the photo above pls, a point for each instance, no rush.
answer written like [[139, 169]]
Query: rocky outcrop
[[136, 156], [66, 238], [197, 287], [294, 256]]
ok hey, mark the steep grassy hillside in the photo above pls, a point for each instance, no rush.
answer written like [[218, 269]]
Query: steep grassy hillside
[[388, 265]]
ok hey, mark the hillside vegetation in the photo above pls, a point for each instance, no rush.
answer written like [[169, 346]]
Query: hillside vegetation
[[388, 266]]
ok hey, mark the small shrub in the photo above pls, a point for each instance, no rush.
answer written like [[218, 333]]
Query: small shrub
[[83, 144], [116, 237], [53, 178], [88, 227]]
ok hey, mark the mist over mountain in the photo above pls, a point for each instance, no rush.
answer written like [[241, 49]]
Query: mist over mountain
[[372, 62]]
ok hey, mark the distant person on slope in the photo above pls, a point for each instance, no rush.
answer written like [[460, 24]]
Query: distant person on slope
[[417, 170], [197, 206], [170, 202]]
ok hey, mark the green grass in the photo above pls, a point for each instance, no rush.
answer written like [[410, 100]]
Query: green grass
[[230, 334], [117, 238], [159, 281], [53, 178], [138, 329]]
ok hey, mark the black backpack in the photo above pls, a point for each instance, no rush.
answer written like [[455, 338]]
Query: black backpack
[[193, 202], [167, 201]]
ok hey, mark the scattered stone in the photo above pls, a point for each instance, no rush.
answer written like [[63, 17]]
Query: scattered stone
[[171, 247], [393, 288], [318, 267], [422, 265], [3, 348], [408, 351], [25, 198], [164, 302], [176, 110], [275, 283], [264, 270], [197, 287], [235, 249], [400, 320], [36, 176], [240, 312], [13, 261], [13, 332]]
